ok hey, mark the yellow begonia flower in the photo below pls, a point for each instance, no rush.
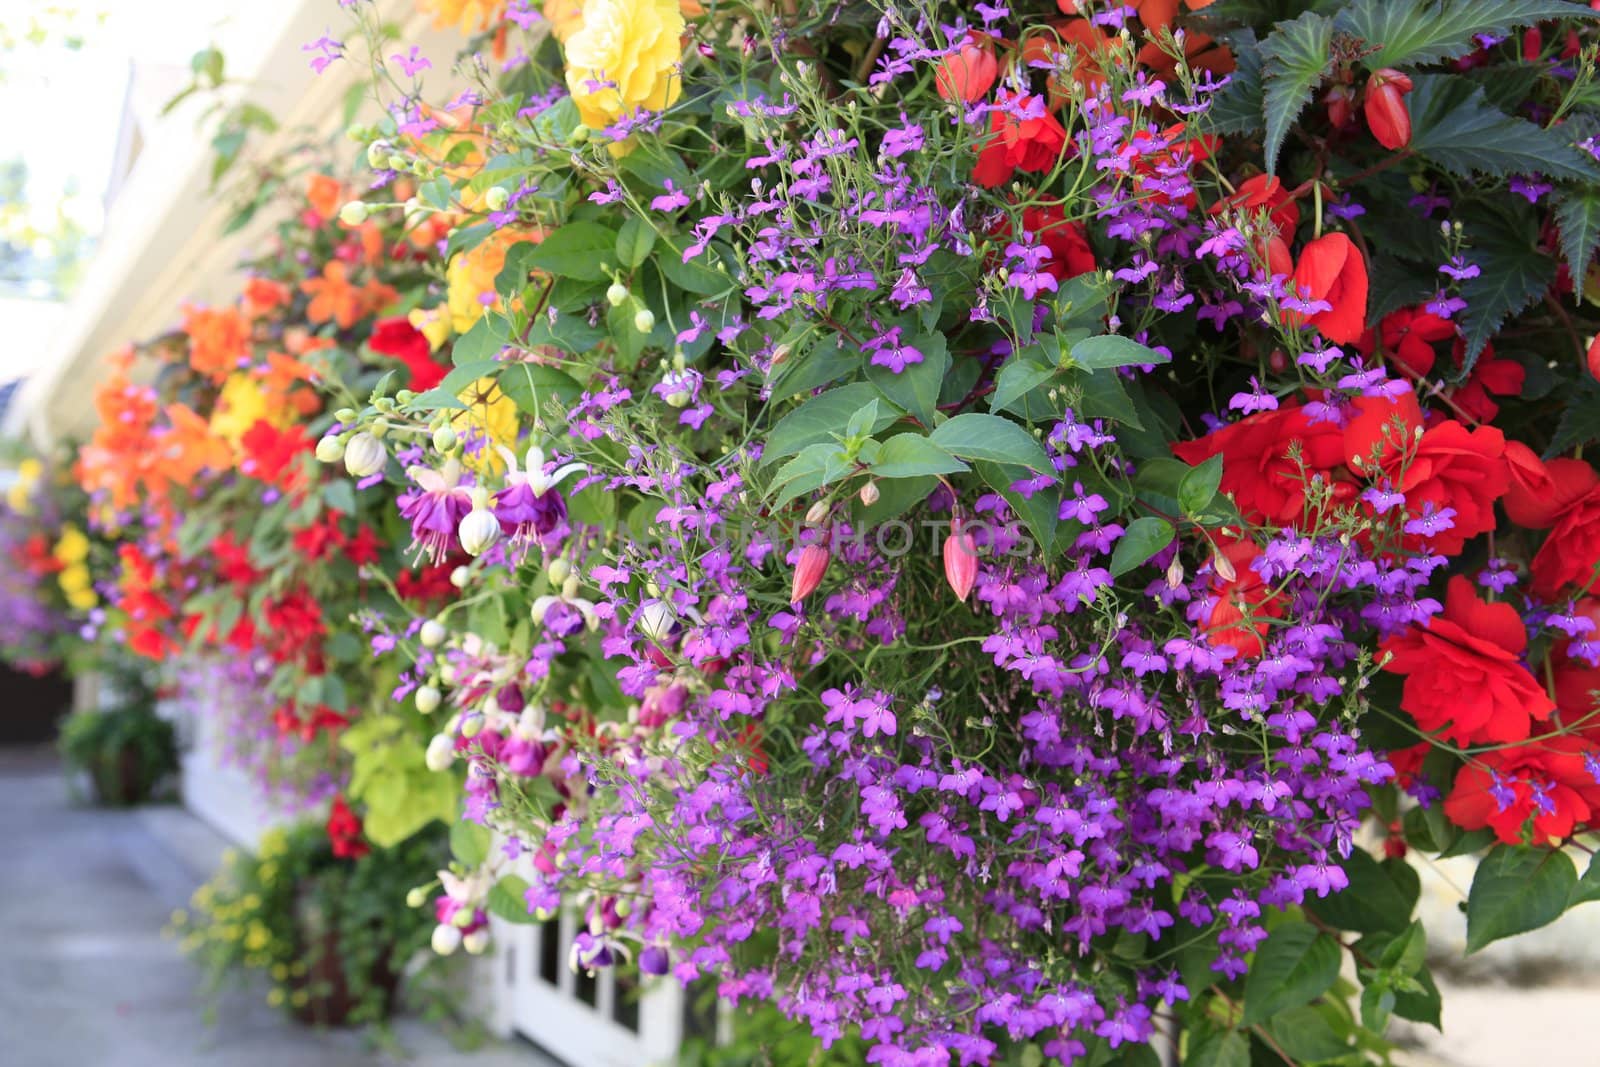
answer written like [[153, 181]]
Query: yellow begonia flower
[[624, 58], [29, 472], [240, 404], [471, 276], [490, 415], [74, 577], [72, 547], [82, 599], [432, 324]]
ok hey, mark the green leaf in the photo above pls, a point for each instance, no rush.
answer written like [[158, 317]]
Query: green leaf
[[1239, 107], [1015, 380], [1425, 1006], [821, 417], [1373, 902], [635, 241], [340, 495], [1453, 125], [1580, 420], [513, 276], [461, 376], [1377, 1004], [1578, 218], [1144, 537], [1294, 966], [816, 466], [910, 455], [1105, 396], [530, 385], [1417, 34], [1517, 889], [1112, 350], [975, 435], [469, 842], [1587, 888], [1199, 487], [916, 389], [1512, 274], [1295, 58], [1038, 511], [1307, 1036], [1229, 1048], [1406, 954], [580, 250], [483, 342], [506, 899], [699, 275]]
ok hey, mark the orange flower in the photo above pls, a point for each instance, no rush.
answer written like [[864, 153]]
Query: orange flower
[[325, 195], [334, 297], [262, 295], [219, 338], [188, 447]]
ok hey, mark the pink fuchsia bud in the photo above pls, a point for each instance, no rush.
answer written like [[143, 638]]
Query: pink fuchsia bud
[[1341, 106], [960, 563], [808, 572], [1387, 115], [969, 72]]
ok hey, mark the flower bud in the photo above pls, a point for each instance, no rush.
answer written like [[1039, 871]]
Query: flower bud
[[398, 162], [446, 939], [473, 725], [1341, 106], [354, 213], [869, 494], [364, 455], [346, 414], [441, 753], [378, 155], [817, 514], [479, 530], [644, 320], [330, 449], [655, 620], [444, 439], [428, 697], [432, 633], [580, 134], [969, 72], [808, 572], [1593, 358], [1387, 115], [476, 942], [558, 571], [960, 563], [497, 198], [417, 897], [461, 576], [617, 294]]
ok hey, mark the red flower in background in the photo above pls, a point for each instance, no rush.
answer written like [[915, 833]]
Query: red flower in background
[[1265, 191], [1540, 492], [1068, 242], [1570, 555], [1453, 467], [1549, 785], [1269, 486], [1240, 605], [429, 584], [1331, 269], [398, 339], [362, 548], [1031, 143], [968, 73], [1408, 337], [1387, 115], [344, 831], [1464, 671], [1490, 377], [270, 453]]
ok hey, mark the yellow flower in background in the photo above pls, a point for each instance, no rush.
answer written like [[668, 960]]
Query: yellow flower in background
[[29, 471], [493, 416], [74, 578], [432, 324], [468, 16], [564, 16], [241, 403], [471, 276], [72, 547], [82, 599], [623, 58]]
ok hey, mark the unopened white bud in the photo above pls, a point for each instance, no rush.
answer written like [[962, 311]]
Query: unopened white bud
[[617, 294], [558, 571], [330, 449], [655, 620], [417, 897], [432, 633], [497, 198], [446, 939], [428, 698], [461, 576], [644, 320], [444, 439], [818, 513], [869, 494], [354, 213], [364, 455], [476, 942], [479, 531], [441, 753]]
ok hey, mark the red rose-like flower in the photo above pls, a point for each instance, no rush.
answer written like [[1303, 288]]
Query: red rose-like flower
[[1257, 469], [270, 453], [398, 339], [344, 831], [968, 73], [1070, 254], [1381, 431], [1548, 783], [1408, 337], [1490, 377], [1331, 269], [1464, 672], [1454, 467], [1569, 556], [1540, 492], [1032, 143], [1238, 609], [1574, 682]]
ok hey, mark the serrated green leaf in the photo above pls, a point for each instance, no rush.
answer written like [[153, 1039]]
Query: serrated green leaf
[[1240, 106], [1419, 33], [1295, 58], [820, 417], [974, 435], [1144, 537], [1586, 888], [513, 276], [634, 242], [579, 250], [1580, 421], [1512, 274], [1455, 126], [507, 899], [1406, 954], [911, 455], [1578, 219], [1420, 1007], [1294, 966], [699, 275], [483, 342], [1516, 889]]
